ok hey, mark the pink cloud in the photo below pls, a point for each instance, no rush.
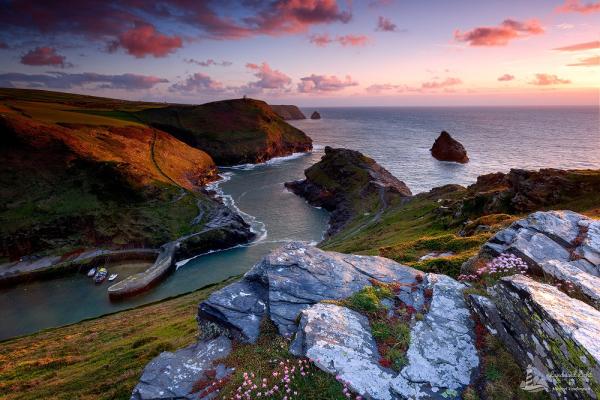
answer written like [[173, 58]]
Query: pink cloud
[[587, 62], [381, 87], [198, 83], [547, 80], [579, 7], [385, 25], [62, 80], [208, 62], [44, 56], [323, 83], [128, 24], [506, 78], [500, 35], [581, 46], [145, 40], [446, 83], [323, 40], [268, 78]]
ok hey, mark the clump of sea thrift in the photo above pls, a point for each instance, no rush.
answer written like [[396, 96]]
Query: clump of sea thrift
[[503, 265], [281, 383]]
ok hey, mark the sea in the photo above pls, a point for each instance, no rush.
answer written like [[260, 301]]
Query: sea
[[496, 139]]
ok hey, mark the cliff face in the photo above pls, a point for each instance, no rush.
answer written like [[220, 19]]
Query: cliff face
[[231, 131], [76, 173], [350, 185], [288, 112]]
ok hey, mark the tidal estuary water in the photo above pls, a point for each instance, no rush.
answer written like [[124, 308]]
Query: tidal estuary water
[[496, 139]]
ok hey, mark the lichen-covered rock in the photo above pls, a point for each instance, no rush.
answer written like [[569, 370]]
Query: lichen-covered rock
[[174, 375], [287, 281], [548, 331], [563, 245], [339, 341], [442, 355]]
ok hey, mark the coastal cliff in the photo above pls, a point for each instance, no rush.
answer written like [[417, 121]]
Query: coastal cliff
[[81, 172], [232, 132], [288, 112], [349, 185]]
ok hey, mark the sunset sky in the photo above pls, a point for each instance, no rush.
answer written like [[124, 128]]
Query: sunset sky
[[313, 52]]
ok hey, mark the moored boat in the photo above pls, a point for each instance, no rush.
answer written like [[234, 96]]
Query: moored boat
[[91, 272], [100, 275], [112, 277]]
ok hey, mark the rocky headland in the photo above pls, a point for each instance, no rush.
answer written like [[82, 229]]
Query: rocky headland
[[351, 186], [446, 148], [288, 112], [232, 132], [84, 173]]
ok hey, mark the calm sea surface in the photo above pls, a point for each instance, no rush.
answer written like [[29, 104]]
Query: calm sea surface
[[496, 139]]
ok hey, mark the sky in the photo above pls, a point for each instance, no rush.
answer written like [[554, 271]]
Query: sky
[[309, 53]]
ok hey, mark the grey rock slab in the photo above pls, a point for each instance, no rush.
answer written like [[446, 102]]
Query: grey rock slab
[[561, 226], [235, 310], [590, 248], [587, 284], [290, 279], [546, 330], [173, 375], [339, 341], [442, 354]]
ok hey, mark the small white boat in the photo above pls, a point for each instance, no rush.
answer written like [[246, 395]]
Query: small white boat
[[91, 272], [112, 277]]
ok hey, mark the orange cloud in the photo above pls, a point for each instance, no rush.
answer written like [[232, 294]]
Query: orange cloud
[[547, 80], [581, 46], [506, 78], [500, 35], [587, 62], [441, 84], [323, 40], [578, 6]]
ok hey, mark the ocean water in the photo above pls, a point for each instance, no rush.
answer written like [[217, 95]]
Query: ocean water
[[497, 139]]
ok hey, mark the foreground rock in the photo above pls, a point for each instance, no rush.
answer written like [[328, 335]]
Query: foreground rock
[[287, 281], [315, 115], [288, 112], [441, 357], [349, 185], [562, 245], [446, 148], [339, 341], [185, 374], [550, 333]]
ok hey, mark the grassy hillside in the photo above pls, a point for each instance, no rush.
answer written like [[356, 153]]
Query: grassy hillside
[[100, 358], [231, 131], [82, 171]]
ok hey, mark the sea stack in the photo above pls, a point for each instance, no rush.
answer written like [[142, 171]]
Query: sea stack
[[446, 148], [315, 115]]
